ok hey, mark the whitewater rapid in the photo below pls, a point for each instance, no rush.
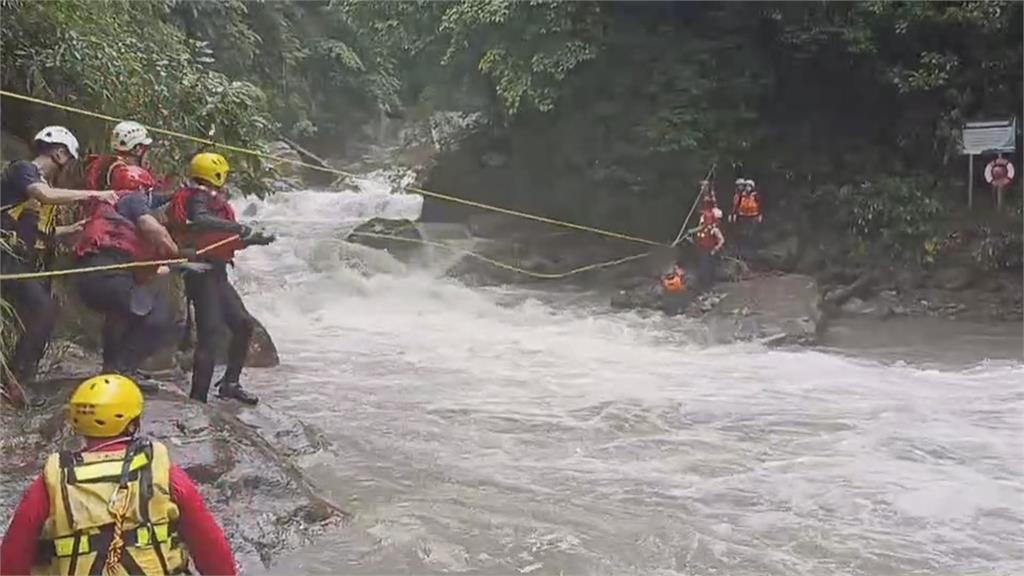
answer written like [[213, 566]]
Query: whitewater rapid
[[505, 430]]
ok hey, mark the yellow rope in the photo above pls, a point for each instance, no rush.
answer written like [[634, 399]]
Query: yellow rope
[[428, 193], [109, 267], [116, 550], [504, 265]]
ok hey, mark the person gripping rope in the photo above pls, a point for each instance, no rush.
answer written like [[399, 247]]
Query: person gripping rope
[[138, 318], [199, 215], [28, 224], [709, 240], [120, 505]]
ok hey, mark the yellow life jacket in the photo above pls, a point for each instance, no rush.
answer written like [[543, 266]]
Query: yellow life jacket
[[77, 535], [47, 220]]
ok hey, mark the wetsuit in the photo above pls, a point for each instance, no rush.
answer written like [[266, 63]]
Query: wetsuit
[[35, 307], [215, 300], [138, 318], [207, 546]]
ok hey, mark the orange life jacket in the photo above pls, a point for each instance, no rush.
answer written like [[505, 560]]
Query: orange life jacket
[[674, 281], [749, 205], [187, 235]]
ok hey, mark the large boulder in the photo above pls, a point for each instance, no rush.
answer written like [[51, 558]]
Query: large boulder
[[262, 350], [386, 234], [776, 309], [288, 169]]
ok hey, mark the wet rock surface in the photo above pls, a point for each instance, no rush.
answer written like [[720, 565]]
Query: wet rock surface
[[774, 308], [240, 458]]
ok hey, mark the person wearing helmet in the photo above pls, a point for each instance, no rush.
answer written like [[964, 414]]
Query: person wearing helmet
[[130, 142], [28, 226], [198, 216], [747, 216], [118, 506], [709, 240], [708, 198], [138, 318]]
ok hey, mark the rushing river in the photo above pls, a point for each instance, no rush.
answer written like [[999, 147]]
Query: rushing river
[[508, 431]]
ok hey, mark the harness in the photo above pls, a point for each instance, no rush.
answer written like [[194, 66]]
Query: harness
[[111, 513]]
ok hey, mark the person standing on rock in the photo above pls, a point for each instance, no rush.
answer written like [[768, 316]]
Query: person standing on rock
[[709, 240], [138, 318], [747, 216], [199, 215], [117, 506], [28, 222]]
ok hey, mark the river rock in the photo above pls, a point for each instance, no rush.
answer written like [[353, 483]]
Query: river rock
[[732, 270], [954, 278], [367, 234], [777, 309], [264, 502], [286, 167], [262, 350]]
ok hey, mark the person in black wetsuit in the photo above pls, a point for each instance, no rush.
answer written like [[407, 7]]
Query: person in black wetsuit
[[199, 216], [27, 222]]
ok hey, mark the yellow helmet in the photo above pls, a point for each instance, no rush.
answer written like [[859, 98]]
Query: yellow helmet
[[209, 167], [103, 406]]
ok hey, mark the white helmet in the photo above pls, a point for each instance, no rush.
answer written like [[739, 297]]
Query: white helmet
[[740, 181], [751, 183], [59, 135], [127, 135]]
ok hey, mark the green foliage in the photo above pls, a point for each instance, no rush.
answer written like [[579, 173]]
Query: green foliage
[[526, 49], [897, 213], [121, 58]]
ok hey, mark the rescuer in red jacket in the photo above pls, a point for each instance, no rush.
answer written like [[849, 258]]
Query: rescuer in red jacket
[[117, 504], [138, 318]]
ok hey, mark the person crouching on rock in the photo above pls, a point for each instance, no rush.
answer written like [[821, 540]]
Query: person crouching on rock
[[198, 216], [709, 241], [138, 318], [119, 506], [747, 215]]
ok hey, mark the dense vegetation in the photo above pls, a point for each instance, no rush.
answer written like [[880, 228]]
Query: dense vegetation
[[847, 113]]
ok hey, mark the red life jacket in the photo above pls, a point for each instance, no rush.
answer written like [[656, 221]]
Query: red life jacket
[[186, 235], [99, 168], [106, 229], [705, 239]]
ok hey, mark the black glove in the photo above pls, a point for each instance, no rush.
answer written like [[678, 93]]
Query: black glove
[[258, 238], [189, 253]]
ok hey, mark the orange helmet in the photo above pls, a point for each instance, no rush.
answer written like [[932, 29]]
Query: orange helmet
[[674, 281]]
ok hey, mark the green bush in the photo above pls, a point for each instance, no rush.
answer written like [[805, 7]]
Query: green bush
[[895, 213]]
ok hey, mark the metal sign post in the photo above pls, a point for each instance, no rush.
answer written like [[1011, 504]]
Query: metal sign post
[[990, 137], [970, 181]]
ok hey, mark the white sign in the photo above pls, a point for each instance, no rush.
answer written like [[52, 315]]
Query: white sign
[[989, 137]]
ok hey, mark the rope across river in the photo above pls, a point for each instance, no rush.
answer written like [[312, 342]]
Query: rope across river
[[338, 172]]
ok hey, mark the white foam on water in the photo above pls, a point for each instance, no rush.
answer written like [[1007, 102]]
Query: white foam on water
[[492, 430]]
